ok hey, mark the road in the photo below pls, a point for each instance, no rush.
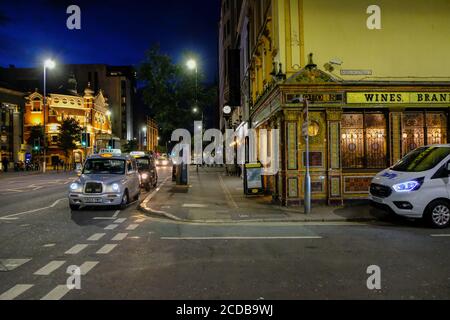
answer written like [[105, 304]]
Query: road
[[128, 255]]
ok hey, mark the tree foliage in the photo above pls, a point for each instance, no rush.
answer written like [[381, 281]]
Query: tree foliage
[[36, 134], [170, 92], [130, 146], [69, 134]]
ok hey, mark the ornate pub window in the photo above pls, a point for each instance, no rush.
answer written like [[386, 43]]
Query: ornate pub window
[[420, 128], [363, 140]]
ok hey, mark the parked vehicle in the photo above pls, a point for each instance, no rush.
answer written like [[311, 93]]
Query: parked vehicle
[[163, 161], [106, 180], [147, 169], [417, 186]]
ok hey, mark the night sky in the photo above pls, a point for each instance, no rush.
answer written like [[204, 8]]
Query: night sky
[[113, 32]]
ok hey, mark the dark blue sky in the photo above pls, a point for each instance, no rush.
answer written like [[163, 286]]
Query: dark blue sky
[[115, 32]]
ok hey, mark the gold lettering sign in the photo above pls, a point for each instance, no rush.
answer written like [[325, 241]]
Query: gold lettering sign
[[398, 97]]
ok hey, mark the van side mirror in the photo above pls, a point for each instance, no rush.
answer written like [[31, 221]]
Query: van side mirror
[[78, 172]]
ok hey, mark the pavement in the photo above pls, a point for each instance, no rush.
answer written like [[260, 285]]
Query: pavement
[[214, 197], [128, 255]]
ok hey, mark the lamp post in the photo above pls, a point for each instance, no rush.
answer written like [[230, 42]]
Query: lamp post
[[144, 136], [307, 174], [108, 114], [48, 64]]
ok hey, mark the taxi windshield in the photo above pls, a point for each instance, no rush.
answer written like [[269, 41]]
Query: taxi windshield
[[104, 166], [143, 163], [422, 159]]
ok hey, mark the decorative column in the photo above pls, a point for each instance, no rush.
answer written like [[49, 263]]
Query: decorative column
[[334, 157], [395, 135]]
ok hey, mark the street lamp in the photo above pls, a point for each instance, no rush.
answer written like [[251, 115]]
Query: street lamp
[[108, 114], [144, 136], [48, 64]]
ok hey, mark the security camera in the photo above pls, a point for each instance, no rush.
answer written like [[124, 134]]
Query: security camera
[[336, 61]]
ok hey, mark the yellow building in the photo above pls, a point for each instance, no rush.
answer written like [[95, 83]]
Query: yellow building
[[92, 113], [152, 135], [377, 78]]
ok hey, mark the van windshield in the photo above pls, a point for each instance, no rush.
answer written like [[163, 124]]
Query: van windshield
[[422, 159]]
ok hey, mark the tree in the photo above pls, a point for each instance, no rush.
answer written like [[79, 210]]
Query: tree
[[36, 139], [69, 134], [130, 146], [170, 92]]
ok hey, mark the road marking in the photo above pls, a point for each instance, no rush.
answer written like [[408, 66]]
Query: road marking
[[107, 248], [96, 236], [194, 205], [77, 249], [87, 266], [150, 196], [11, 264], [111, 227], [104, 218], [139, 220], [57, 293], [49, 245], [116, 214], [120, 220], [440, 235], [15, 291], [14, 190], [32, 211], [132, 227], [119, 236], [241, 238], [49, 268], [228, 195]]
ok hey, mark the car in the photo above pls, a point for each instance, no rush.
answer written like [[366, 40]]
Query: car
[[163, 161], [147, 169], [107, 179], [417, 186]]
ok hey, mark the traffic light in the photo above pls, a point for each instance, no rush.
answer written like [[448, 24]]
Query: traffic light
[[85, 139], [37, 144]]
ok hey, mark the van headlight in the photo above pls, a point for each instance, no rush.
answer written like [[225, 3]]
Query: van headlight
[[408, 186], [115, 187]]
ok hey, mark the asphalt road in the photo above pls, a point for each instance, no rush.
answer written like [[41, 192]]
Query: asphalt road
[[127, 255]]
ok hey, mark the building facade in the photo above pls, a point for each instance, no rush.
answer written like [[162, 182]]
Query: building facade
[[152, 136], [11, 134], [90, 110], [377, 81]]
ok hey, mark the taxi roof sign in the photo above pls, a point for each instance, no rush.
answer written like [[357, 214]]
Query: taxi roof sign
[[110, 151], [137, 154]]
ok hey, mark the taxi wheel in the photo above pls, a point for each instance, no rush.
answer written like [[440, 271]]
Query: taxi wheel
[[147, 187], [125, 200], [438, 214]]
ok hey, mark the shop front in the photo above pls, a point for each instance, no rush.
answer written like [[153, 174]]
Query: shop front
[[354, 131]]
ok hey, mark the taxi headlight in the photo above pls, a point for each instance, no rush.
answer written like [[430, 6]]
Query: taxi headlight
[[165, 162], [144, 176], [74, 186], [115, 187], [408, 186]]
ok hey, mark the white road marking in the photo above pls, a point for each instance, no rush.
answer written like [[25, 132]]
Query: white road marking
[[132, 227], [32, 211], [77, 249], [49, 245], [87, 266], [15, 291], [241, 238], [194, 205], [139, 220], [228, 195], [116, 214], [150, 196], [440, 235], [104, 218], [111, 227], [96, 236], [107, 248], [11, 264], [119, 236], [57, 293], [119, 221], [49, 268]]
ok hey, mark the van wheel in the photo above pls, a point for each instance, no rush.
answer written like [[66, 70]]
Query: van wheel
[[125, 200], [438, 214]]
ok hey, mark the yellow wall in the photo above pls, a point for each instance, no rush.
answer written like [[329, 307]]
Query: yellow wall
[[414, 40]]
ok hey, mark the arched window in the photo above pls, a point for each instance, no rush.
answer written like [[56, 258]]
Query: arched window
[[36, 105]]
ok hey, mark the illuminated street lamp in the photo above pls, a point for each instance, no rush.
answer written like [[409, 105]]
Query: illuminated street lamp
[[48, 64]]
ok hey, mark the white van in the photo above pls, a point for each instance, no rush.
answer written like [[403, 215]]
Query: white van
[[417, 186]]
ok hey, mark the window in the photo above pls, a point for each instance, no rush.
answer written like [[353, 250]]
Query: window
[[129, 167], [36, 105], [420, 128], [422, 159], [363, 140]]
